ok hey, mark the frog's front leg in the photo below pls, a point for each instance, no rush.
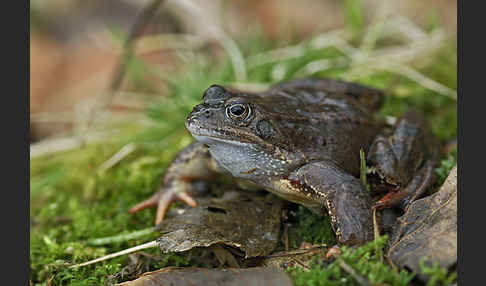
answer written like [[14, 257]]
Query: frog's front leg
[[191, 164], [326, 186], [405, 160]]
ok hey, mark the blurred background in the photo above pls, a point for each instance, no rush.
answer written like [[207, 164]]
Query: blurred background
[[107, 109], [75, 45]]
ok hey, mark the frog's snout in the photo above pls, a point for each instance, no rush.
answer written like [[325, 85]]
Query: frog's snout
[[197, 116], [191, 122]]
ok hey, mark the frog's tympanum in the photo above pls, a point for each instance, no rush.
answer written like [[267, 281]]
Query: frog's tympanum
[[301, 140]]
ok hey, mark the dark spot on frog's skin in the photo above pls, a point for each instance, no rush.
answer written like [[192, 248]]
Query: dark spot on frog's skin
[[207, 113], [249, 171], [217, 210], [265, 129]]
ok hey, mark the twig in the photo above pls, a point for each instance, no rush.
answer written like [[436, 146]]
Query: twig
[[302, 264], [124, 151], [294, 252], [121, 237], [151, 244], [360, 279], [376, 230]]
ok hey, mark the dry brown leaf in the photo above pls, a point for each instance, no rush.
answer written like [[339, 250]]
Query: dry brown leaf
[[255, 276], [248, 221], [428, 229]]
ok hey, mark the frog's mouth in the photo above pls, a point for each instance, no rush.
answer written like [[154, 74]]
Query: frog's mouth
[[211, 136], [216, 134], [211, 140]]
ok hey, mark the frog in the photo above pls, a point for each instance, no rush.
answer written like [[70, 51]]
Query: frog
[[301, 140]]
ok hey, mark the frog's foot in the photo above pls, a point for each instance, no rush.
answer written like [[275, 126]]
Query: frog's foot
[[417, 186], [163, 199], [405, 159]]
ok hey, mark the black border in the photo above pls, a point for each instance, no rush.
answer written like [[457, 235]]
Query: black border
[[15, 155], [471, 190]]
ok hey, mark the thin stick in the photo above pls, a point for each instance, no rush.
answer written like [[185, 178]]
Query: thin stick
[[360, 279], [376, 228], [125, 151], [151, 244], [376, 231], [121, 237]]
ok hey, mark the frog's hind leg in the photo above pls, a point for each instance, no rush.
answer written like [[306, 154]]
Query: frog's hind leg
[[405, 160]]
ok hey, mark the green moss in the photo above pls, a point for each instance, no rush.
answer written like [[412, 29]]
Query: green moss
[[368, 262], [73, 201], [313, 228], [365, 260], [446, 165], [437, 275]]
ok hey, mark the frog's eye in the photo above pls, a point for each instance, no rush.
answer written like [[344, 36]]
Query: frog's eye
[[238, 111]]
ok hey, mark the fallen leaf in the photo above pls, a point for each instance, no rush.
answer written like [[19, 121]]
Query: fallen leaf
[[248, 221], [428, 230], [254, 276]]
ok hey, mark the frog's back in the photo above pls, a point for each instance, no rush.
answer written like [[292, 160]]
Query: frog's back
[[323, 123]]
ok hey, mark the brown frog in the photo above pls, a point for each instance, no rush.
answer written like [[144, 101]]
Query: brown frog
[[301, 141]]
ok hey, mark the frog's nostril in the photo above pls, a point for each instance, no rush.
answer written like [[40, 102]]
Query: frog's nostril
[[207, 113]]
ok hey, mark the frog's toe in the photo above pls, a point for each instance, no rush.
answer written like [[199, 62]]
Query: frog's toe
[[163, 199], [167, 199], [414, 189], [390, 200], [152, 201]]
